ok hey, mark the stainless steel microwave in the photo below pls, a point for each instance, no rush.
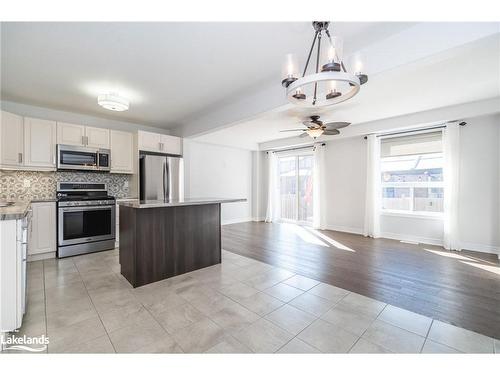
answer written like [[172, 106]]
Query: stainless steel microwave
[[83, 158]]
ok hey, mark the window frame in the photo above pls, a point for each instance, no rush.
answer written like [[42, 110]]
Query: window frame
[[411, 185]]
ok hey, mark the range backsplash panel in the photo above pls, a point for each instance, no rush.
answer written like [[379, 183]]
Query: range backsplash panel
[[42, 185]]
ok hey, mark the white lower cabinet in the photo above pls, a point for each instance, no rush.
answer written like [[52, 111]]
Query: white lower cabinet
[[43, 230]]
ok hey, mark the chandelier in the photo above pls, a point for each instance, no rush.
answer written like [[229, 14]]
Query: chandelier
[[330, 83]]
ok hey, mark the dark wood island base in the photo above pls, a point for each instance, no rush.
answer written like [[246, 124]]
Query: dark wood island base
[[160, 242], [161, 239]]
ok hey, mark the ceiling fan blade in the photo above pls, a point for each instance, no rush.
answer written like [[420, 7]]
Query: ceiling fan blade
[[292, 130], [303, 135], [331, 132], [337, 125]]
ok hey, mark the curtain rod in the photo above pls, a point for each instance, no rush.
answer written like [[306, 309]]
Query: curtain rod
[[463, 123], [297, 148]]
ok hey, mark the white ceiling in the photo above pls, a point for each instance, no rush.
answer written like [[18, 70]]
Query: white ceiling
[[467, 73], [170, 71]]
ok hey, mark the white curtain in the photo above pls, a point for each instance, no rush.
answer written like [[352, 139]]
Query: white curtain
[[451, 175], [373, 188], [319, 187], [273, 193]]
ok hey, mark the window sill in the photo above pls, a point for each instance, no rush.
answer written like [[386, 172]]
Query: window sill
[[413, 215]]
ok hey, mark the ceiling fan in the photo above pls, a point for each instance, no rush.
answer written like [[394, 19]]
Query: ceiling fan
[[315, 128]]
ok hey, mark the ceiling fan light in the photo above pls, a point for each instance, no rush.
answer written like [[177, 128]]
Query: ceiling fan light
[[314, 133], [113, 102]]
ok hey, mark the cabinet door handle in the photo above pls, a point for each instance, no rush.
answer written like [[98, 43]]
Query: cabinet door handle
[[20, 157], [83, 140]]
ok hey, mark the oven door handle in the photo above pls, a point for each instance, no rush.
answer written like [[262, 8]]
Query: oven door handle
[[86, 208]]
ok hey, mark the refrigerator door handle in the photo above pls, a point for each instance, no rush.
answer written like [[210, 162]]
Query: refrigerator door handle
[[164, 179], [167, 181]]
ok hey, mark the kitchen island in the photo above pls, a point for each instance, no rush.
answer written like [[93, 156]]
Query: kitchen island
[[161, 239]]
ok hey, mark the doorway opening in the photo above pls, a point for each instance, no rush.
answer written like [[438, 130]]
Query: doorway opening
[[296, 188]]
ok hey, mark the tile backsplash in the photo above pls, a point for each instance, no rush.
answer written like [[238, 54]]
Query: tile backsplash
[[42, 185]]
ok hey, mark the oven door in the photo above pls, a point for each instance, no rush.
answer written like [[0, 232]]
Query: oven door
[[85, 224], [74, 157]]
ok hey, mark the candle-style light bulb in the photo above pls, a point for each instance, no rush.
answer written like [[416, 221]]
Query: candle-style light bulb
[[332, 90], [290, 70]]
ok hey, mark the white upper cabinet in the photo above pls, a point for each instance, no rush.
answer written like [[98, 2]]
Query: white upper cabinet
[[81, 135], [96, 137], [154, 142], [70, 134], [40, 143], [171, 144], [149, 141], [11, 140], [122, 152]]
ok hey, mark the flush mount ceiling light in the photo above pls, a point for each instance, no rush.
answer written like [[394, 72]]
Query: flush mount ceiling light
[[113, 102], [330, 83]]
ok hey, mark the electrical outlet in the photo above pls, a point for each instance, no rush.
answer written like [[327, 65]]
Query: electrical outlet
[[125, 185], [26, 183]]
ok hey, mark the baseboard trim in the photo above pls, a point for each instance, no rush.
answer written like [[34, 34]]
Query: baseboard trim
[[481, 248], [236, 221], [341, 228], [35, 257], [406, 237]]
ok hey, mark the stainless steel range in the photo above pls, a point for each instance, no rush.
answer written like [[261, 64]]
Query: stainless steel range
[[86, 218]]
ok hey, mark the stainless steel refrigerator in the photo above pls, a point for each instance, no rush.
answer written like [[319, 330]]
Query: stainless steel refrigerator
[[161, 177]]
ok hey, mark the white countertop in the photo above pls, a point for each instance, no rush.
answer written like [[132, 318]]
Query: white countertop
[[178, 202]]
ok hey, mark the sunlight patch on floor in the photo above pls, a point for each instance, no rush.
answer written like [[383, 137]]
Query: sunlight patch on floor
[[305, 235], [448, 254], [493, 269], [329, 240]]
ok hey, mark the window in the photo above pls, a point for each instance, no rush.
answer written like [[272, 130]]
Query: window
[[296, 193], [412, 173]]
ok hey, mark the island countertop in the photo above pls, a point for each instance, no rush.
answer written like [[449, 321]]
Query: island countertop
[[136, 203]]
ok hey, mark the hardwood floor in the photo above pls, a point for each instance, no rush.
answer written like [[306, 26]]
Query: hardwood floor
[[462, 288]]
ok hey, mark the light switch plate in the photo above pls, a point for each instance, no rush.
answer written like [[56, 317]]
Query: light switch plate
[[26, 183]]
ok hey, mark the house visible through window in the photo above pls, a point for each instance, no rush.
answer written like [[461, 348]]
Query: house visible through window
[[412, 173]]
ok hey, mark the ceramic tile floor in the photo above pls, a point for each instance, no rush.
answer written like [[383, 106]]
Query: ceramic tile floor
[[84, 305]]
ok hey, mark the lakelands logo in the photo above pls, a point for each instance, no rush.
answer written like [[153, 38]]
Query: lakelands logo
[[25, 343]]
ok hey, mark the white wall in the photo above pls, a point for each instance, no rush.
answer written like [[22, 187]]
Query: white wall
[[479, 184], [220, 172], [346, 184]]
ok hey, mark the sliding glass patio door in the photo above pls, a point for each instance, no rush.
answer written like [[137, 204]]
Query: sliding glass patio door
[[296, 188]]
